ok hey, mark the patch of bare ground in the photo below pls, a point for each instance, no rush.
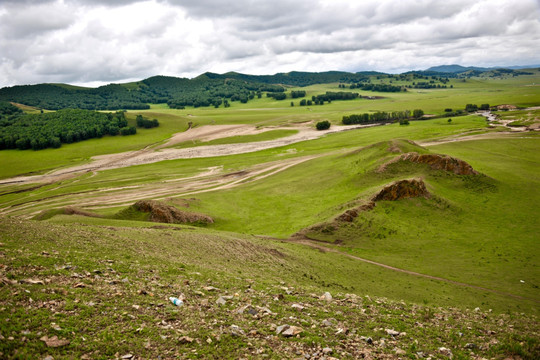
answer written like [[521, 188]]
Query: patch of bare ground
[[163, 213], [210, 179], [436, 162], [150, 155], [402, 189]]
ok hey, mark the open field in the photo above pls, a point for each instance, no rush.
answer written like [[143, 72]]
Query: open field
[[275, 189]]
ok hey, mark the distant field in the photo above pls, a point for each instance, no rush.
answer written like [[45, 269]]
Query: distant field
[[269, 112]]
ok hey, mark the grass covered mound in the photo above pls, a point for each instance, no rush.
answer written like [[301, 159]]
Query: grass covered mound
[[157, 211]]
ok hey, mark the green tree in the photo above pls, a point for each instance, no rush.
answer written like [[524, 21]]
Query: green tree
[[323, 125]]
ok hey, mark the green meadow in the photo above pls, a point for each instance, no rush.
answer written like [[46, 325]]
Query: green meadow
[[471, 244]]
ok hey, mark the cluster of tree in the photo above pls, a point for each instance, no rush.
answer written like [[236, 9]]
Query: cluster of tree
[[54, 97], [330, 96], [298, 78], [298, 94], [377, 87], [142, 122], [449, 112], [177, 92], [474, 107], [7, 110], [50, 130], [382, 117], [427, 85], [277, 96], [323, 125], [208, 91]]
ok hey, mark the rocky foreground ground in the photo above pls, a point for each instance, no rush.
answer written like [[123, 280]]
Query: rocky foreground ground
[[58, 303]]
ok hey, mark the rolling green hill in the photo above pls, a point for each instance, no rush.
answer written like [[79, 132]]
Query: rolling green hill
[[388, 241]]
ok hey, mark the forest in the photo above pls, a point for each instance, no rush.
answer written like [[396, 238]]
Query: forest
[[51, 130], [381, 117], [208, 89]]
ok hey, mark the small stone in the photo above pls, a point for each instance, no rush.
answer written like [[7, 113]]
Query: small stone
[[282, 328], [399, 351], [369, 341], [236, 330], [33, 281], [328, 322], [54, 341], [297, 307], [127, 356], [446, 352], [392, 332], [185, 340], [326, 296], [471, 346], [136, 307], [327, 350], [292, 331], [210, 288], [221, 301], [48, 357]]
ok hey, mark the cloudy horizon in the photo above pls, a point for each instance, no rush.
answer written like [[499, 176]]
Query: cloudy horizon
[[91, 43]]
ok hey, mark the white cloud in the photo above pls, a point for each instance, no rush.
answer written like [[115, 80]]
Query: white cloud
[[84, 41]]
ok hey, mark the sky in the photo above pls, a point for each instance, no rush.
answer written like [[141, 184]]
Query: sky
[[96, 42]]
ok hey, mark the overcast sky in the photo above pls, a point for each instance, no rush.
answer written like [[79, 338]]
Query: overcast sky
[[94, 42]]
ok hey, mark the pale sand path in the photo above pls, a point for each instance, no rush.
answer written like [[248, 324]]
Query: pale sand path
[[208, 132]]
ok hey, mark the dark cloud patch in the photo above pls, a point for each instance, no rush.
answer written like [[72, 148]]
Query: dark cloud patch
[[82, 41]]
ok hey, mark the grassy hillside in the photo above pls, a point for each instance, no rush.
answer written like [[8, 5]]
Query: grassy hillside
[[103, 291], [455, 271]]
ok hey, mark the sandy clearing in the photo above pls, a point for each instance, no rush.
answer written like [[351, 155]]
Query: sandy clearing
[[149, 155], [211, 132]]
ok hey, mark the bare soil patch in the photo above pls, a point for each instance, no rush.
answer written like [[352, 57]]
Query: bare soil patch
[[163, 213], [436, 162], [150, 155]]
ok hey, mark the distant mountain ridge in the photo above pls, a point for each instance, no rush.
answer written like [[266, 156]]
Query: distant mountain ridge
[[212, 89], [455, 68]]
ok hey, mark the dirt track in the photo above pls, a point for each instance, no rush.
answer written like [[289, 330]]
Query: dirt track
[[209, 132], [209, 179]]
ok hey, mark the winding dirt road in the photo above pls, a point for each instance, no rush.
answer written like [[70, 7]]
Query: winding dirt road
[[150, 155]]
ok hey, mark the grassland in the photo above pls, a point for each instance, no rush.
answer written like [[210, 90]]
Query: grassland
[[461, 271]]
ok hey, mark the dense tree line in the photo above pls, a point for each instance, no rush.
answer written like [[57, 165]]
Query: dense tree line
[[377, 87], [299, 78], [142, 122], [329, 96], [427, 85], [277, 96], [382, 116], [298, 94], [50, 130], [54, 97], [7, 110], [204, 91]]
